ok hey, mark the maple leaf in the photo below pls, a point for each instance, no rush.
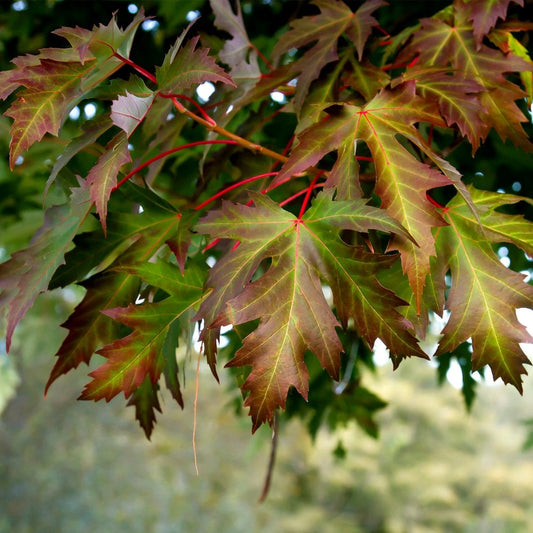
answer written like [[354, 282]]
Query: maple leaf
[[102, 178], [128, 111], [237, 52], [184, 67], [324, 30], [141, 354], [294, 313], [441, 44], [458, 99], [88, 328], [402, 180], [102, 43], [28, 272], [146, 401], [57, 78], [50, 92], [485, 14], [133, 238], [92, 130], [484, 294]]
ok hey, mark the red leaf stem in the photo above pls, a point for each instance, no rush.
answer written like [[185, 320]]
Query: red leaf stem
[[138, 68], [165, 154], [299, 193], [263, 58], [308, 194], [233, 186]]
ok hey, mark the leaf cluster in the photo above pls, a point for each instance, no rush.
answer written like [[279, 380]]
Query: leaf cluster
[[311, 203]]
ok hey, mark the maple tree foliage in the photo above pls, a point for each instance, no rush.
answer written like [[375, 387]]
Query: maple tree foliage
[[355, 226]]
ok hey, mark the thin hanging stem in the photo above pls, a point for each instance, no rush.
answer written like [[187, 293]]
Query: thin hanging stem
[[272, 458]]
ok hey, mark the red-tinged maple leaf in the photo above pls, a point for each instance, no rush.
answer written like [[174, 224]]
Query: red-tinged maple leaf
[[484, 294], [402, 180], [88, 328], [102, 178], [132, 359], [324, 30], [288, 298], [102, 43], [458, 98], [440, 44], [186, 66], [28, 272], [138, 238], [51, 90], [484, 14], [128, 111], [57, 78]]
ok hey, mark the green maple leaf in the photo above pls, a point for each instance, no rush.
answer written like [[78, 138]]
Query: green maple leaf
[[141, 354], [92, 130], [288, 298], [186, 66], [484, 294], [29, 271], [402, 181], [324, 30]]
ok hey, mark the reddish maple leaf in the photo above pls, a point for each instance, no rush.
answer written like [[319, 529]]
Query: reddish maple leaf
[[50, 92], [102, 178], [402, 181], [453, 45], [128, 111], [141, 354], [484, 15], [288, 298], [138, 238], [324, 30]]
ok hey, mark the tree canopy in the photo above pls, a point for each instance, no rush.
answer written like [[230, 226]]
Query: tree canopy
[[316, 175]]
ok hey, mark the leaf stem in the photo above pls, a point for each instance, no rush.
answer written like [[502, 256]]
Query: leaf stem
[[272, 458], [233, 186], [299, 193], [134, 65], [245, 143], [165, 154], [194, 102], [309, 190]]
